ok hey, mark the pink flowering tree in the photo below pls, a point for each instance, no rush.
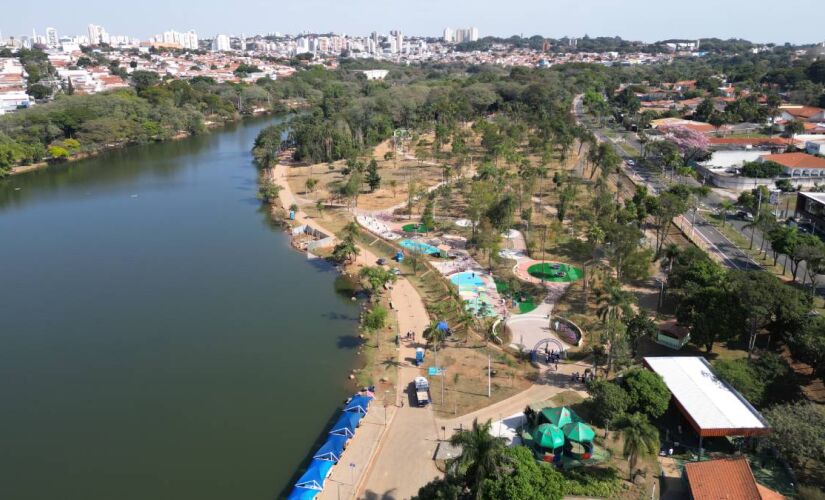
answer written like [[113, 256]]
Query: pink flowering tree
[[691, 144]]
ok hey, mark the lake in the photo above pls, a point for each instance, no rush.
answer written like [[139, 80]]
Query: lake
[[158, 337]]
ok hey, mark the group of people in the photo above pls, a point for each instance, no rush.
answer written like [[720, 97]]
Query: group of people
[[583, 377], [410, 335]]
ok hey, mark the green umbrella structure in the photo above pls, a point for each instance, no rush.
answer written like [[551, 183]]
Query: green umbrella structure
[[560, 416], [579, 432], [548, 436]]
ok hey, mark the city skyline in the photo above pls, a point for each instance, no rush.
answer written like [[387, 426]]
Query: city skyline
[[704, 19]]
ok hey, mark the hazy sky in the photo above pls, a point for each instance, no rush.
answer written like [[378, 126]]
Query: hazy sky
[[797, 21]]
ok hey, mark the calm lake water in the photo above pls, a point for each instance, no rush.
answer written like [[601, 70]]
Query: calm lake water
[[158, 337]]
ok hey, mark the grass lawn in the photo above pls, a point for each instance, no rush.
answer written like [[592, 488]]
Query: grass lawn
[[555, 272]]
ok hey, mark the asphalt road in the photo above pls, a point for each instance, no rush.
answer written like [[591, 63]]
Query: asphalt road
[[729, 253]]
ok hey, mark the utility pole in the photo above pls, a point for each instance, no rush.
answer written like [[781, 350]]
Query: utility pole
[[756, 216], [442, 387], [488, 376]]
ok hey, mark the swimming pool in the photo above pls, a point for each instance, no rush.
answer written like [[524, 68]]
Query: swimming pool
[[467, 280], [474, 292], [418, 247]]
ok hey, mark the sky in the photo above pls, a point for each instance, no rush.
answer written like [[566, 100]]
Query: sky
[[795, 21]]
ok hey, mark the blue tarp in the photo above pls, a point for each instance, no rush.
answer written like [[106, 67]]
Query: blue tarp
[[442, 325], [358, 404], [302, 494], [331, 450], [345, 426], [316, 475]]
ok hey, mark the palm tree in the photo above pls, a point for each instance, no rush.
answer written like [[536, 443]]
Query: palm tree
[[613, 302], [350, 230], [641, 439], [480, 455], [724, 209], [434, 335], [670, 253]]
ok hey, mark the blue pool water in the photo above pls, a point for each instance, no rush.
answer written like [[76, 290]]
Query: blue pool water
[[418, 247], [467, 280]]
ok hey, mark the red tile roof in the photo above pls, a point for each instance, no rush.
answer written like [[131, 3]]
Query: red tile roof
[[744, 141], [801, 111], [796, 160], [725, 479]]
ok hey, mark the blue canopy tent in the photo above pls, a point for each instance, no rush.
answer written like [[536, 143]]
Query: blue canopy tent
[[332, 449], [315, 475], [302, 494], [346, 424], [358, 404]]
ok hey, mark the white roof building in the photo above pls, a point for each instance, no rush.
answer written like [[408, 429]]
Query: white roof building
[[712, 407]]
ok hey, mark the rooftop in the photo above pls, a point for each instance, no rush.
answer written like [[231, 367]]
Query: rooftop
[[796, 160], [711, 406], [728, 478]]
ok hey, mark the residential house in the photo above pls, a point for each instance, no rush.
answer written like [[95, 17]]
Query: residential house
[[808, 114]]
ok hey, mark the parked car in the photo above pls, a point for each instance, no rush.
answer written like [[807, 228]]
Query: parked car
[[422, 391], [631, 163], [745, 215]]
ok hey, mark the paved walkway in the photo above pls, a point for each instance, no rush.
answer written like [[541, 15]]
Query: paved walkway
[[404, 461], [534, 395], [408, 438]]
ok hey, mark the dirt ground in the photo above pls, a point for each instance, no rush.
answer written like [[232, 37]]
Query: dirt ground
[[465, 384], [401, 169]]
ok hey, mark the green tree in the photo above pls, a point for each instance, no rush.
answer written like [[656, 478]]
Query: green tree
[[743, 377], [641, 439], [310, 184], [640, 326], [345, 250], [523, 477], [808, 344], [376, 277], [434, 335], [58, 153], [725, 208], [793, 128], [427, 218], [373, 179], [376, 318], [665, 208], [797, 433], [647, 392], [608, 401], [269, 191], [481, 456]]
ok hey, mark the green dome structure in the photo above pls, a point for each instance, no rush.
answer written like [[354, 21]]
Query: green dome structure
[[579, 432], [560, 416], [548, 436]]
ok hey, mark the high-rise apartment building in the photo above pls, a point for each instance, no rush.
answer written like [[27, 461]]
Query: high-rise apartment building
[[52, 40], [97, 35], [449, 35], [221, 43], [460, 35]]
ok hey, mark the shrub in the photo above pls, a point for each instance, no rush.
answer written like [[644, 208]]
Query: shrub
[[376, 318], [761, 169]]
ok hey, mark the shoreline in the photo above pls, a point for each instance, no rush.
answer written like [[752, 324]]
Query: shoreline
[[210, 126], [411, 315]]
